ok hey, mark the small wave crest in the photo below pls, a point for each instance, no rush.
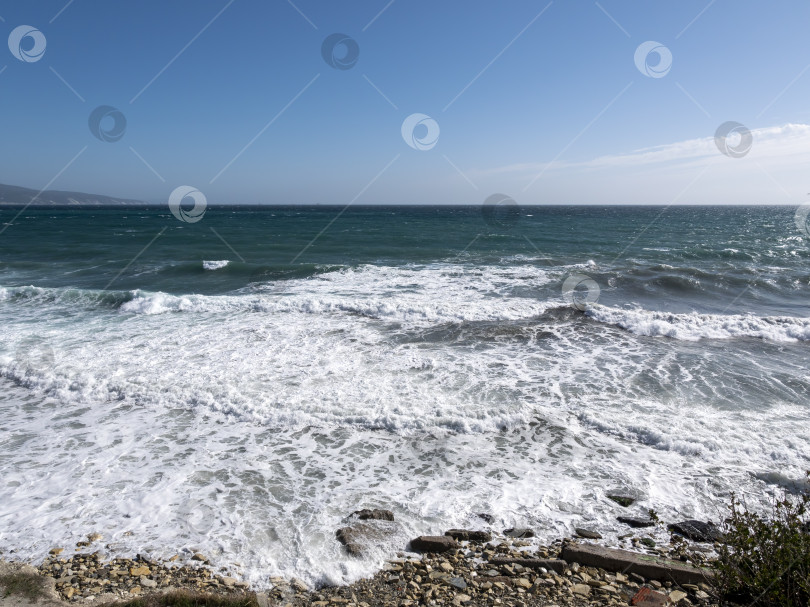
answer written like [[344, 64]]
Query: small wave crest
[[65, 296], [215, 265], [693, 327]]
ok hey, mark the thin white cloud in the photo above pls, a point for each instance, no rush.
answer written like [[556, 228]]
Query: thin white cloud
[[789, 141]]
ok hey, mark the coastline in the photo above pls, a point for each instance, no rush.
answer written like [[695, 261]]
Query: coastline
[[463, 567]]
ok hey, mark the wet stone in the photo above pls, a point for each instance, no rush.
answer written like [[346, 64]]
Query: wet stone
[[622, 499], [587, 533], [433, 543], [636, 522], [518, 532], [469, 535], [374, 515], [697, 531]]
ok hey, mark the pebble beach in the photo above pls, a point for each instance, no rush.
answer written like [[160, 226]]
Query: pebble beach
[[461, 567]]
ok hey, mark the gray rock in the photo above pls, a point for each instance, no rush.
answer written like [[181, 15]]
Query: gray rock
[[697, 531], [359, 537], [587, 533], [622, 499], [458, 582], [581, 589], [433, 543], [374, 515], [645, 565], [469, 535], [556, 565], [636, 522], [518, 532]]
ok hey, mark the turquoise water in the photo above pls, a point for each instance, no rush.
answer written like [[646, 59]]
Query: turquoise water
[[678, 259]]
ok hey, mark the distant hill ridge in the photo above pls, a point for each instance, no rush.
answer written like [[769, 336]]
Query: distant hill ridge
[[12, 194]]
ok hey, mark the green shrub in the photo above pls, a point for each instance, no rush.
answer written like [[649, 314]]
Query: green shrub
[[766, 561]]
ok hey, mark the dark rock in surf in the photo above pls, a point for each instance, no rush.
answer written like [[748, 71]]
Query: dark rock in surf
[[374, 515], [697, 531], [518, 532], [587, 534], [469, 535], [622, 499], [636, 522], [360, 537], [367, 528]]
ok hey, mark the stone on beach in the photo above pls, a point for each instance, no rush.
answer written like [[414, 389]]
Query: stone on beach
[[646, 597], [140, 570], [433, 543], [469, 535], [557, 565], [677, 595], [457, 582], [581, 589]]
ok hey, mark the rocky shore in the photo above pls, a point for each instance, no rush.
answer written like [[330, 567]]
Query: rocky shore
[[463, 567]]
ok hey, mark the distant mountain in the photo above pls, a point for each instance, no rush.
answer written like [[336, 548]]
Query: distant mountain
[[12, 194]]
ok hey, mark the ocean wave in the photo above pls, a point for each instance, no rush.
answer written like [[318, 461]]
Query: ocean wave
[[215, 265], [69, 297], [403, 309], [693, 327]]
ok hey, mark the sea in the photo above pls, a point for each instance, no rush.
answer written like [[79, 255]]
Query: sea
[[238, 382]]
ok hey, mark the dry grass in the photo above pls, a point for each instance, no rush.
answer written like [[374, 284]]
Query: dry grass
[[191, 599], [28, 585]]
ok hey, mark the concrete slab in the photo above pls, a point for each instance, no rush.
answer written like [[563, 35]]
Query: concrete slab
[[648, 566]]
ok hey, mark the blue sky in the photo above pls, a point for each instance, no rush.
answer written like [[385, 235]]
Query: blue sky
[[541, 101]]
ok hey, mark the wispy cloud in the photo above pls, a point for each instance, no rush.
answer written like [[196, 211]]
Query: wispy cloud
[[773, 171], [789, 142]]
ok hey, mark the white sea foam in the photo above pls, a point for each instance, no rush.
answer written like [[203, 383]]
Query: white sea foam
[[249, 425], [215, 265], [409, 294], [693, 327]]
